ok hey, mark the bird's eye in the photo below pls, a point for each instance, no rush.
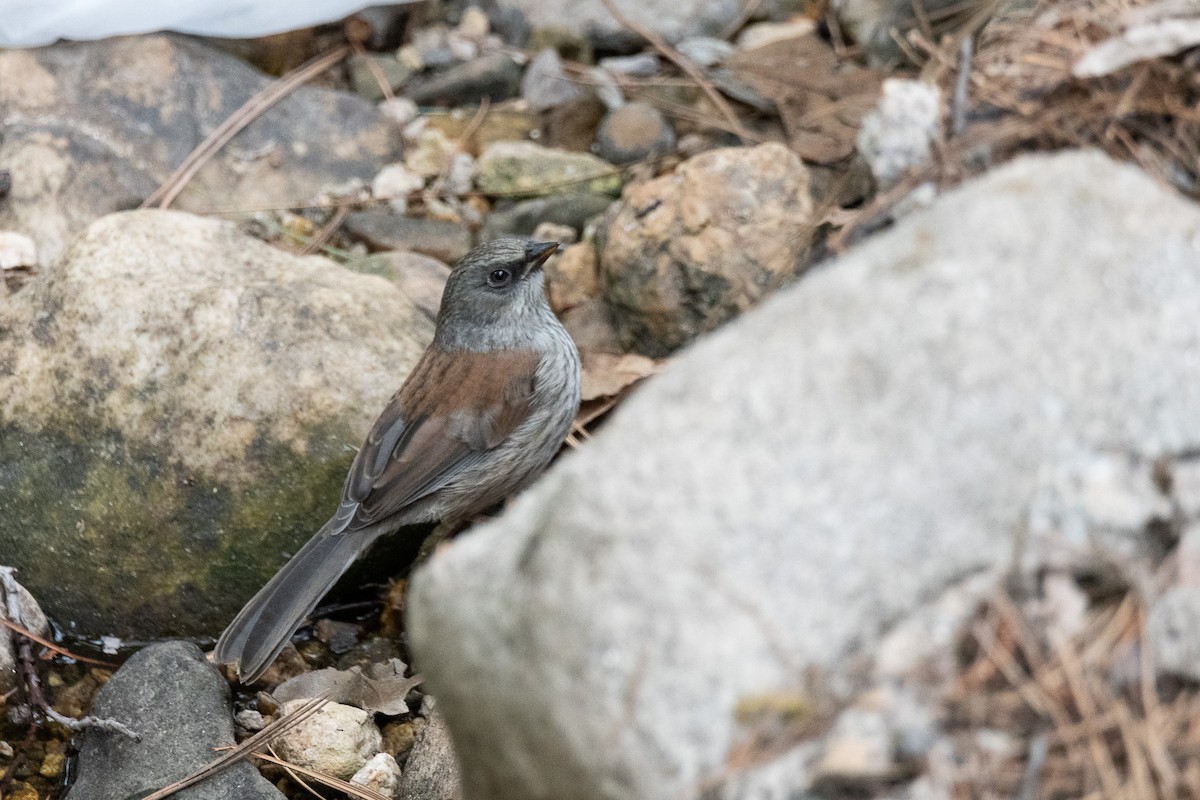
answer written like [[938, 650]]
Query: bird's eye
[[498, 278]]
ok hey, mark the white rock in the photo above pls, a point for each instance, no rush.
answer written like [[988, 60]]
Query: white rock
[[796, 482], [639, 65], [429, 151], [898, 135], [474, 24], [17, 250], [764, 33], [705, 50], [395, 182], [336, 740], [399, 110], [381, 774]]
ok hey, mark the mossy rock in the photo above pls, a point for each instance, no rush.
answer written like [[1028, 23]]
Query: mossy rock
[[178, 407]]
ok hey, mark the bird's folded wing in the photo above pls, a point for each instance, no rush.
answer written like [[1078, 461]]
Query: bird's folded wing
[[452, 409]]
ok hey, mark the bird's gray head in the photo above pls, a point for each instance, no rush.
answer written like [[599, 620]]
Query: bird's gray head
[[495, 296]]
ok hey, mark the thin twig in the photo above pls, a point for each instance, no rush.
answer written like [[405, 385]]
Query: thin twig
[[376, 71], [49, 645], [296, 777], [33, 681], [961, 81], [1033, 768], [1077, 684], [356, 789], [327, 231], [250, 110], [238, 752], [684, 63]]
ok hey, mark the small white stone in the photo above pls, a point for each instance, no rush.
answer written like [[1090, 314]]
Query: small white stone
[[395, 182], [381, 773], [336, 740], [17, 250], [898, 134], [553, 232], [430, 153], [399, 110], [474, 24], [765, 33]]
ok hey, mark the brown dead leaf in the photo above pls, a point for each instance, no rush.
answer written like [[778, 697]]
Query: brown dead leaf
[[821, 99], [378, 689], [607, 374]]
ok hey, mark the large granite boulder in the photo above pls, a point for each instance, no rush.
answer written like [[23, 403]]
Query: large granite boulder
[[178, 406], [755, 518]]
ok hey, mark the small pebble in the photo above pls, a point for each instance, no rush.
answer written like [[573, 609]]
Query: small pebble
[[553, 232], [17, 250], [545, 84], [381, 773], [474, 24], [764, 33], [634, 132], [398, 737], [52, 765], [705, 51], [396, 182], [399, 110], [641, 65], [6, 750], [430, 152], [250, 720], [605, 86], [337, 739]]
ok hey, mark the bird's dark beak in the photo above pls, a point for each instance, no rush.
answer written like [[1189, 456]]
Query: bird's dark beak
[[536, 253]]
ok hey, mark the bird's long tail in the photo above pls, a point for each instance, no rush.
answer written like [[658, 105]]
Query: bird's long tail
[[263, 627]]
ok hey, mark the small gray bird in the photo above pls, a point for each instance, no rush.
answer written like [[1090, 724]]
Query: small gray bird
[[482, 413]]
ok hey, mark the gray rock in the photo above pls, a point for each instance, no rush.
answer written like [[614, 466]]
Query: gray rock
[[420, 277], [180, 707], [874, 24], [178, 404], [706, 51], [545, 83], [94, 127], [382, 229], [528, 169], [571, 208], [493, 75], [634, 132], [366, 70], [431, 771], [688, 251], [792, 485], [674, 19], [639, 65]]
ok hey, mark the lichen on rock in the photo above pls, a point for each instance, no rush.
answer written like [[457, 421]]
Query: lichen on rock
[[178, 406]]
